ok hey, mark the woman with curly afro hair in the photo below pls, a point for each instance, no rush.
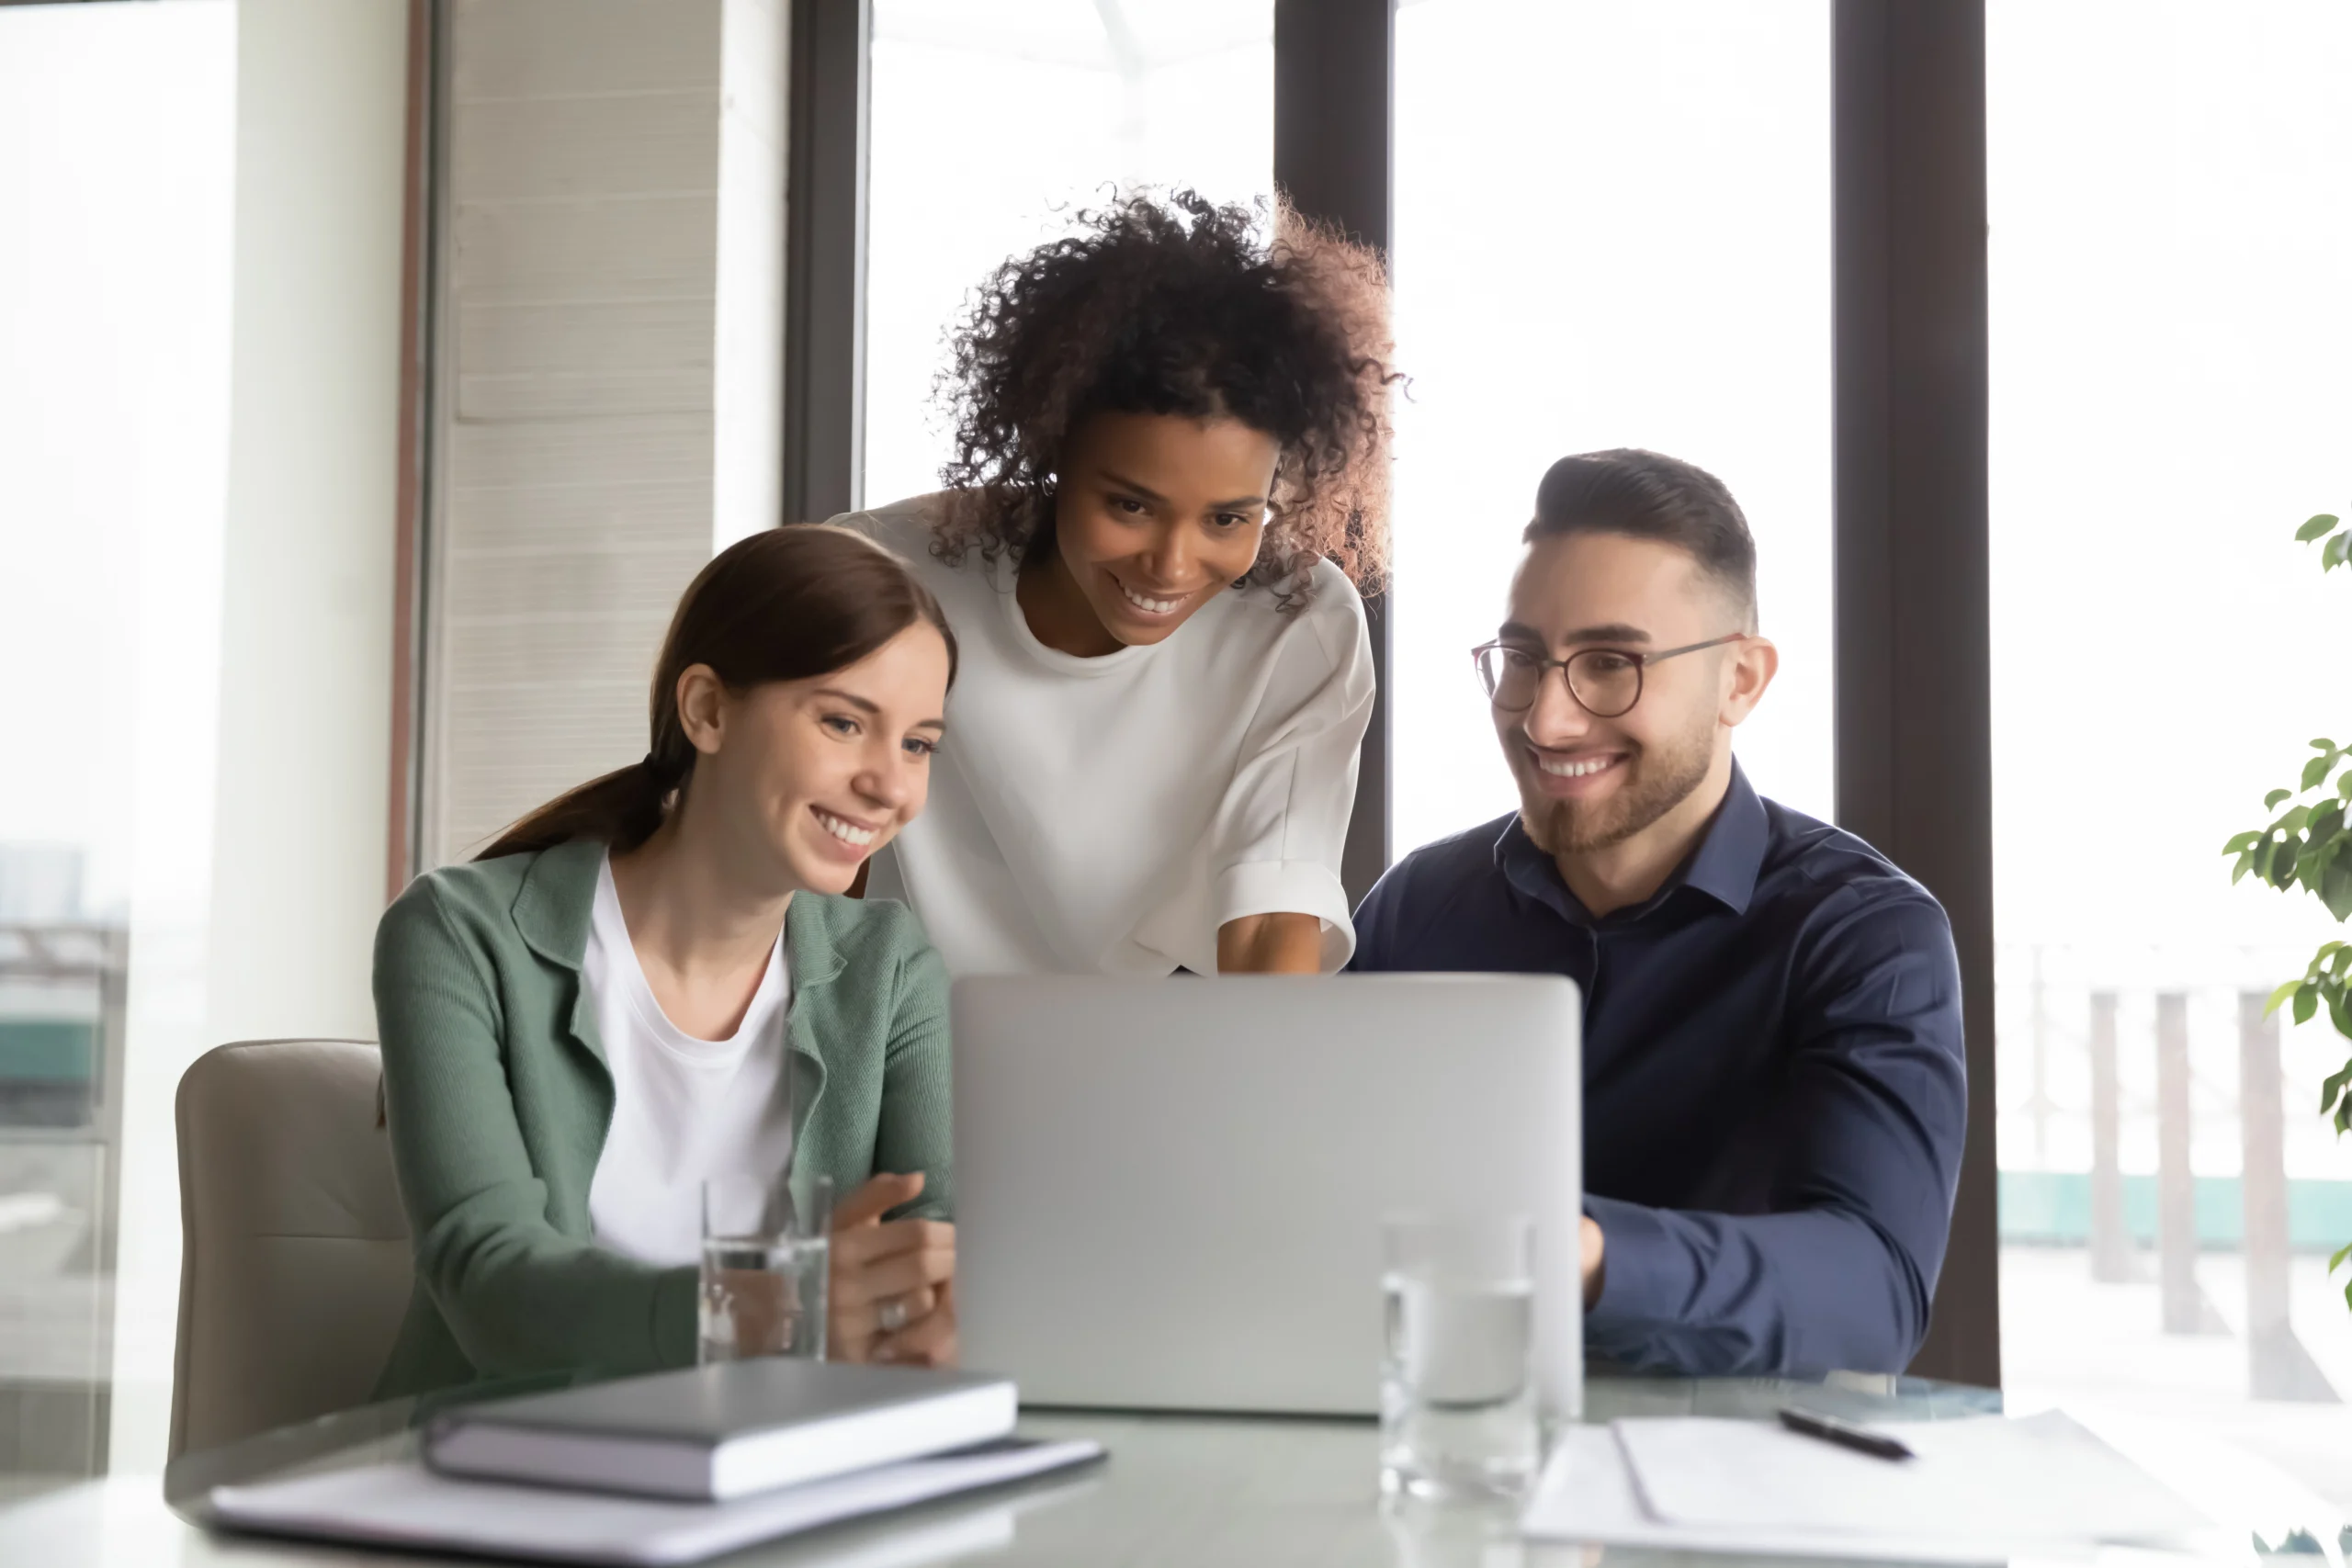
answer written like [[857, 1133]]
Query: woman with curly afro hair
[[1169, 486]]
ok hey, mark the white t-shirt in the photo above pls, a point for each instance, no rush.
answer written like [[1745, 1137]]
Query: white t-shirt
[[683, 1109], [1106, 816]]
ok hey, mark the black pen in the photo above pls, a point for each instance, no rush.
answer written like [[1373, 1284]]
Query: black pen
[[1845, 1434]]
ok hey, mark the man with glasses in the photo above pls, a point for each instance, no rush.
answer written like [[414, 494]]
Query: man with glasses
[[1775, 1089]]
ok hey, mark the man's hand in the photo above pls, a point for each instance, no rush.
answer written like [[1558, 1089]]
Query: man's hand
[[1593, 1248], [892, 1299]]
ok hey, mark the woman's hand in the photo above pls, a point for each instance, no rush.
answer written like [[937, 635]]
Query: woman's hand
[[893, 1281], [1594, 1246], [1271, 944]]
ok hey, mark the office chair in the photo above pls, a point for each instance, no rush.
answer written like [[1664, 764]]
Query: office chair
[[294, 1250]]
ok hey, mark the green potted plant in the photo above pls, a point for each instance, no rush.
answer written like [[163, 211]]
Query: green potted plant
[[2309, 845]]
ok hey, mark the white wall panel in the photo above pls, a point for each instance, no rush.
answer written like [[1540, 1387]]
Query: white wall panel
[[608, 374]]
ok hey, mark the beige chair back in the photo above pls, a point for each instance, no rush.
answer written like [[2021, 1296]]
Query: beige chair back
[[294, 1251]]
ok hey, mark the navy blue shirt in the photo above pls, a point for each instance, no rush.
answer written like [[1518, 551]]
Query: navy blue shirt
[[1773, 1079]]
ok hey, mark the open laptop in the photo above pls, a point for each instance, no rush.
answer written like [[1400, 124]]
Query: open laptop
[[1168, 1192]]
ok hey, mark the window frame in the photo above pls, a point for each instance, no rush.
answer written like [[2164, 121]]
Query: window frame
[[1913, 679], [1911, 674]]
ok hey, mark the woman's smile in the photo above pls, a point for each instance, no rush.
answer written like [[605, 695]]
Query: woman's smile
[[854, 832], [1148, 601]]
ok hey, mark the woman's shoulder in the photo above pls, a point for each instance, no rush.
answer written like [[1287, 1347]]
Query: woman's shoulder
[[1319, 622], [476, 884], [485, 902], [1331, 599], [904, 526], [469, 887]]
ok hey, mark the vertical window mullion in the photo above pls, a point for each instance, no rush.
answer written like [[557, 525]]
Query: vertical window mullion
[[1334, 121], [1913, 687], [824, 326]]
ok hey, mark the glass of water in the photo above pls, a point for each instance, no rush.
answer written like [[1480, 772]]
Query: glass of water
[[1458, 1417], [764, 1267]]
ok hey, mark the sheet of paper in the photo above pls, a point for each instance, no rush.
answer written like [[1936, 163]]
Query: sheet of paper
[[406, 1505], [1587, 1495], [2044, 1478]]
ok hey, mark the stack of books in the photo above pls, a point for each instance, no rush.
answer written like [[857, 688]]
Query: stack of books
[[669, 1468]]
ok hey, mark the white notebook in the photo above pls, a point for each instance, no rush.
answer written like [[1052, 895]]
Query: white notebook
[[1587, 1495], [2041, 1478], [407, 1505], [1978, 1490]]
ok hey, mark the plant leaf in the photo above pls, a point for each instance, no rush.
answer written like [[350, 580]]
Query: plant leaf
[[2337, 1261], [2244, 842], [2293, 819], [2315, 527], [2320, 852], [2333, 1089], [2316, 769], [2334, 887], [2282, 861], [2280, 995], [2306, 1002], [2270, 802]]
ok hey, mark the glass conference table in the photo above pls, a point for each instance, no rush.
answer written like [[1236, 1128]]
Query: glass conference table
[[1175, 1490]]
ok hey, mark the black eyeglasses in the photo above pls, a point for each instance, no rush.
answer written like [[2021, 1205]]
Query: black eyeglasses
[[1605, 681]]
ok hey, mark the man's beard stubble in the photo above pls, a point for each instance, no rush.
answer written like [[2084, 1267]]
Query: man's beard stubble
[[1662, 779]]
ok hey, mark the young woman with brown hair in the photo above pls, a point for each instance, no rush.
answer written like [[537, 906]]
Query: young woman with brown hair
[[1169, 484], [653, 981]]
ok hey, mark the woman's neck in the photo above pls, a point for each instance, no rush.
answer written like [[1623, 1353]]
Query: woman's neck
[[702, 934], [1057, 612]]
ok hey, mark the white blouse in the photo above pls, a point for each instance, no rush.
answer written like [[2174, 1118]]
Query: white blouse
[[684, 1110], [1107, 816]]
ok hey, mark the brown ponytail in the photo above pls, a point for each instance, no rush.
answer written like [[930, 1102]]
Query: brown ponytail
[[787, 605]]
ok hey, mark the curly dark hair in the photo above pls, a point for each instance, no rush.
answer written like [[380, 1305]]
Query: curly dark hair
[[1179, 305]]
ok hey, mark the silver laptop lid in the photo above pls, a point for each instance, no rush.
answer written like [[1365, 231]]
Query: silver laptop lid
[[1168, 1192]]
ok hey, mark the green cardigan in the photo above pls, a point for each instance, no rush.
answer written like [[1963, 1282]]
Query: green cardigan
[[498, 1100]]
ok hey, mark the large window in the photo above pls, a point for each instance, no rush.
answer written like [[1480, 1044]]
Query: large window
[[1612, 230], [2171, 209], [992, 121], [117, 136]]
